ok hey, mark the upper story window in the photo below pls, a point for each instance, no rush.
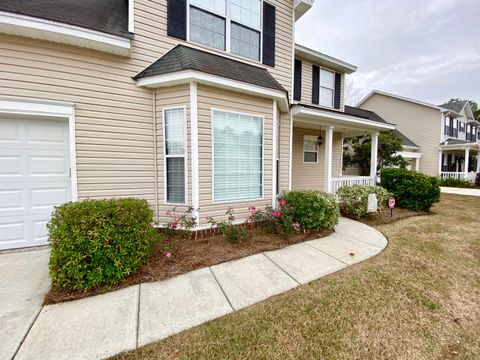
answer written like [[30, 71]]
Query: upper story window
[[327, 87], [229, 25], [451, 126]]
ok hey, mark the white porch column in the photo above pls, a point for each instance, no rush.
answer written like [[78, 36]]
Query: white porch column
[[467, 160], [374, 158], [417, 164], [194, 150], [478, 162], [440, 163], [328, 158]]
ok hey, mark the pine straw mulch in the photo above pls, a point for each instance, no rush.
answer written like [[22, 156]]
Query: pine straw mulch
[[384, 216], [190, 254]]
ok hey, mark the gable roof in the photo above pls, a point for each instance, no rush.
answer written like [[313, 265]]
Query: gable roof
[[405, 141], [323, 59], [373, 92], [182, 57], [456, 106], [108, 16]]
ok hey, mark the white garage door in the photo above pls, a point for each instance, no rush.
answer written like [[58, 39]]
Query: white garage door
[[34, 176]]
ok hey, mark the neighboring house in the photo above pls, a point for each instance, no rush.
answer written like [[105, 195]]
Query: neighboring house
[[447, 135], [179, 102]]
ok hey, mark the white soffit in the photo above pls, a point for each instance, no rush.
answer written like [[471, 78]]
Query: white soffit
[[42, 29], [301, 7]]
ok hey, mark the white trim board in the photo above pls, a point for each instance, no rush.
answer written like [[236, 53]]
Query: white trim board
[[324, 60], [46, 108], [42, 29], [187, 76]]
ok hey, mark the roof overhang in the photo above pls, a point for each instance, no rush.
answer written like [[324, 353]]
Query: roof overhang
[[471, 146], [187, 76], [410, 154], [400, 98], [448, 112], [344, 123], [323, 59], [42, 29], [301, 7]]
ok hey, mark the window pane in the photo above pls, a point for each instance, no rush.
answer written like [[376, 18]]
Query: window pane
[[245, 42], [174, 132], [326, 97], [309, 145], [217, 6], [327, 79], [207, 29], [238, 156], [246, 12], [310, 157], [176, 180]]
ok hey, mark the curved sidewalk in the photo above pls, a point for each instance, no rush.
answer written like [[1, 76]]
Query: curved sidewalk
[[105, 325]]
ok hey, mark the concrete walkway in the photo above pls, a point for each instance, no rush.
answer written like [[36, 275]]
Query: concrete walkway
[[460, 191], [105, 325]]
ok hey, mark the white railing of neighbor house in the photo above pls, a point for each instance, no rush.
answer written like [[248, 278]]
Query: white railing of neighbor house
[[340, 182], [459, 175]]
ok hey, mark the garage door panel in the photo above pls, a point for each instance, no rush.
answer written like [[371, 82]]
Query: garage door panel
[[34, 178]]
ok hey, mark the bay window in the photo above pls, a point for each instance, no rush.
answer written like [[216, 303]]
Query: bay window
[[175, 151], [230, 25], [237, 156], [327, 87]]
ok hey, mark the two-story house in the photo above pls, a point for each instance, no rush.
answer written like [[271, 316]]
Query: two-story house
[[447, 135], [203, 103]]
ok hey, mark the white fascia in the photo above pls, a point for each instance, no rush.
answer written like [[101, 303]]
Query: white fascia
[[340, 118], [42, 29], [398, 97], [409, 154], [301, 7], [324, 59], [187, 76]]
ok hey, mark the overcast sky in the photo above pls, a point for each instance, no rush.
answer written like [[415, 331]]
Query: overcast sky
[[424, 49]]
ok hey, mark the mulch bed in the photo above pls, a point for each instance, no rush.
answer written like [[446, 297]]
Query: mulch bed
[[384, 217], [191, 254]]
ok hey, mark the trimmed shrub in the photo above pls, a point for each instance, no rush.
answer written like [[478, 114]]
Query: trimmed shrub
[[412, 190], [313, 210], [353, 200], [99, 242], [458, 183]]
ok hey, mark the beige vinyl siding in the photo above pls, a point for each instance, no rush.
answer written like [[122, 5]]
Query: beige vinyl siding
[[312, 175], [421, 124], [113, 117], [171, 97], [152, 41], [209, 98], [285, 126], [307, 82]]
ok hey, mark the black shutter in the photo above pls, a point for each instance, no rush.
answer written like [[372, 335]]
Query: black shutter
[[297, 81], [315, 84], [338, 85], [268, 34], [177, 19]]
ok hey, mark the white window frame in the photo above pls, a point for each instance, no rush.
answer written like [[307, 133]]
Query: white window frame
[[165, 156], [212, 110], [228, 21], [320, 87], [313, 138]]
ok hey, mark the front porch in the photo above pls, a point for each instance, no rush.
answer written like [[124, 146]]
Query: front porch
[[317, 147], [460, 161]]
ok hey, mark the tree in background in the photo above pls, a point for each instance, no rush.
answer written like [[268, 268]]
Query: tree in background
[[473, 105], [357, 151]]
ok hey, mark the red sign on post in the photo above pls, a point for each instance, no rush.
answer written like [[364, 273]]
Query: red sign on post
[[391, 202]]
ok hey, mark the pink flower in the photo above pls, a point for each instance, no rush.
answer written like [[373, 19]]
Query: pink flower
[[252, 208], [281, 202], [168, 254], [277, 214], [296, 226], [167, 212], [174, 225]]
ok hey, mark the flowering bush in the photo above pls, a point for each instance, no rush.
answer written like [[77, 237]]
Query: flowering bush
[[353, 200], [312, 210], [178, 227], [233, 232]]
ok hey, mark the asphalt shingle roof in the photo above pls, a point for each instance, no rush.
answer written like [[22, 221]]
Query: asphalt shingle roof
[[108, 16], [456, 106], [405, 141], [182, 57], [362, 113], [452, 141]]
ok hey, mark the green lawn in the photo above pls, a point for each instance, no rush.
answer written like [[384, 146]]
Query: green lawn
[[419, 299]]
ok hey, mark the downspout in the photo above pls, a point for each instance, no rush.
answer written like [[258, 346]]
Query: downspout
[[155, 161]]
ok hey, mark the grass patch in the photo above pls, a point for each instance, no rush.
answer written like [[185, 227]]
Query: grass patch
[[419, 299]]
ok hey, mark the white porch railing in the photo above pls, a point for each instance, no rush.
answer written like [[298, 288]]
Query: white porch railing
[[471, 176], [340, 182]]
